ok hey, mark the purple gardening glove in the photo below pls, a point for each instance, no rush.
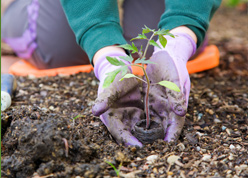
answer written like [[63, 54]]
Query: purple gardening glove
[[119, 106], [171, 106]]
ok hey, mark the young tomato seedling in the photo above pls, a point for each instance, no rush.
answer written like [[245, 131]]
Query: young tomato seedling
[[140, 62]]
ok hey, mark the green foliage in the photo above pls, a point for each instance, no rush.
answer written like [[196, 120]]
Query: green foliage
[[169, 85], [77, 116], [110, 78], [129, 47], [142, 60], [115, 61], [140, 36], [153, 43], [129, 76], [117, 171], [127, 58], [234, 3], [162, 40], [147, 30]]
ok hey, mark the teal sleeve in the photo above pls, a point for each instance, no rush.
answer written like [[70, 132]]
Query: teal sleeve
[[96, 24], [195, 14]]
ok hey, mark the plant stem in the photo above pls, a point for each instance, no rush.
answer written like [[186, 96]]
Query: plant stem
[[144, 54], [147, 100], [147, 88], [146, 104]]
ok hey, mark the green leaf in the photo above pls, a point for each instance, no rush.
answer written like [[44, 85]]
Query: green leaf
[[146, 30], [126, 46], [77, 116], [127, 76], [117, 171], [162, 40], [153, 43], [132, 48], [110, 78], [140, 36], [162, 32], [123, 70], [171, 35], [132, 75], [169, 85], [135, 49], [127, 58], [143, 61], [150, 30], [115, 61]]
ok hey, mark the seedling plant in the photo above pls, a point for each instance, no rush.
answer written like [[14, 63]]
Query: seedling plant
[[140, 62], [117, 171]]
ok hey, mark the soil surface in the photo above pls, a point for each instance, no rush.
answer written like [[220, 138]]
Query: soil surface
[[49, 131]]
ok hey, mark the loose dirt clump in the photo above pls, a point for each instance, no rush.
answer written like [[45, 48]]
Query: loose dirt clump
[[49, 130]]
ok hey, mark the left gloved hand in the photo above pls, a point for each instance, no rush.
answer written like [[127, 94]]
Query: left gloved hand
[[171, 106], [119, 105]]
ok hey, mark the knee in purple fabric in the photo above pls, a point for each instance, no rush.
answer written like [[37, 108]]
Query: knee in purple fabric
[[26, 44]]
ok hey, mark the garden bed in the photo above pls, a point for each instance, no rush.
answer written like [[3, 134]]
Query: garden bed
[[49, 131]]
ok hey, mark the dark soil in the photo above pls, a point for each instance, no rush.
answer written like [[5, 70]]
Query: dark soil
[[43, 138]]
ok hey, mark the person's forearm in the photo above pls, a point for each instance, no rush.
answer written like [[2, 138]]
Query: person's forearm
[[5, 4], [95, 24], [184, 29], [105, 50], [193, 14]]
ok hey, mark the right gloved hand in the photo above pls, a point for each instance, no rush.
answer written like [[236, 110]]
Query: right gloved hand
[[119, 106], [168, 105]]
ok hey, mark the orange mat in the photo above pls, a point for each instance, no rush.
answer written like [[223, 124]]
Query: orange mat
[[208, 59]]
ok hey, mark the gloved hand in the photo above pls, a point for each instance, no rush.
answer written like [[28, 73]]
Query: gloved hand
[[119, 106], [171, 106]]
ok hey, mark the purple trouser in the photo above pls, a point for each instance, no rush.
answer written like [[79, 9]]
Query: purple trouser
[[39, 32]]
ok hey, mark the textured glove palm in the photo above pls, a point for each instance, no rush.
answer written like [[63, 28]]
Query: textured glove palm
[[168, 105], [119, 106]]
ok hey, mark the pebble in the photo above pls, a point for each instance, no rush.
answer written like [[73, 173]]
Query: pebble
[[155, 170], [133, 149], [238, 147], [223, 128], [44, 110], [229, 131], [151, 159], [232, 147], [206, 157], [51, 108], [231, 157], [161, 170], [240, 168], [120, 156], [217, 121], [210, 111], [198, 148], [181, 146], [199, 116], [172, 159], [93, 83]]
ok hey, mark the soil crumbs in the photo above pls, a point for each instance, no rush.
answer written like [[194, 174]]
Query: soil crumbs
[[49, 130]]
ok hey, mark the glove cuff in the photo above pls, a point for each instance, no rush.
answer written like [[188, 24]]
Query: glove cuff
[[183, 46], [103, 66]]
